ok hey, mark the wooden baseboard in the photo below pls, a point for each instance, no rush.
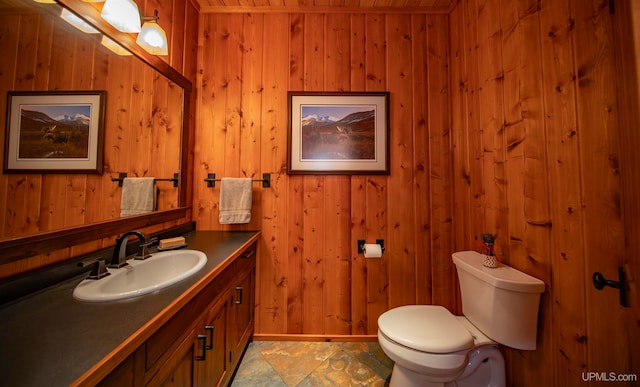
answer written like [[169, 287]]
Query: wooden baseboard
[[302, 337]]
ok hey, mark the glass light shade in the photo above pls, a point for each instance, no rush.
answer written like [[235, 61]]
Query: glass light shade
[[46, 1], [75, 21], [122, 14], [114, 47], [153, 39]]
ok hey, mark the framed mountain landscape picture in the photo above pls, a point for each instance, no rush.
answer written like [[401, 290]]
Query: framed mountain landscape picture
[[338, 133], [54, 132]]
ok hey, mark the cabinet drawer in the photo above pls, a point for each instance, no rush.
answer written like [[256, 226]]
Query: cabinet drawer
[[246, 260]]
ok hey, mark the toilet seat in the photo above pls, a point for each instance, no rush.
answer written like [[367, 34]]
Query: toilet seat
[[426, 328]]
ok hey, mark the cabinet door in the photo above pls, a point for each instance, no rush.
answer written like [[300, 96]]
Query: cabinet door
[[181, 375], [242, 302], [176, 371], [209, 364]]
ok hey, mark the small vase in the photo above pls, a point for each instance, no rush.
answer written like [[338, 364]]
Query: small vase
[[489, 260]]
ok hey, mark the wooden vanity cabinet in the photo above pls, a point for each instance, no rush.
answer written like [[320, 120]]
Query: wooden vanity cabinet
[[202, 344]]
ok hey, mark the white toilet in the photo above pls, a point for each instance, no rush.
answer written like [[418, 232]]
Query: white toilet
[[432, 347]]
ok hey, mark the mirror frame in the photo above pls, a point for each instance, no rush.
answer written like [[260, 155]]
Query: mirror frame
[[32, 245]]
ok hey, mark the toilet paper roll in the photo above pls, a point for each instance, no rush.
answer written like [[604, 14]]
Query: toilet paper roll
[[372, 250]]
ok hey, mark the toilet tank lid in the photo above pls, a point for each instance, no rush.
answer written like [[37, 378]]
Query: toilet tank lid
[[426, 328], [503, 276]]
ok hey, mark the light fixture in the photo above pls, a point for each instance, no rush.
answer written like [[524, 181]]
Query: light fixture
[[115, 47], [152, 37], [122, 14], [75, 21], [46, 1]]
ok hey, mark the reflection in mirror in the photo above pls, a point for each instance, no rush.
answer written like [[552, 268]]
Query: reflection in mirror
[[143, 121]]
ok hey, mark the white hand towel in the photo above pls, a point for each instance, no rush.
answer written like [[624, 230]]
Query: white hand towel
[[235, 200], [138, 196]]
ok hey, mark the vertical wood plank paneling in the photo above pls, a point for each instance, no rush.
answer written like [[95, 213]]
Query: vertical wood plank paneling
[[627, 38], [273, 265], [566, 248], [9, 28], [205, 160], [599, 146], [96, 191], [376, 206], [299, 272], [251, 89], [179, 22], [475, 130], [82, 70], [140, 105], [15, 221], [560, 155], [491, 119], [313, 262], [440, 160], [159, 136], [231, 92], [191, 58], [526, 170], [401, 246], [295, 203], [460, 112], [173, 128], [40, 82], [337, 193], [118, 118], [52, 205], [358, 276], [420, 41]]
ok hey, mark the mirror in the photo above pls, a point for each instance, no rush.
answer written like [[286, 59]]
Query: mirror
[[144, 123]]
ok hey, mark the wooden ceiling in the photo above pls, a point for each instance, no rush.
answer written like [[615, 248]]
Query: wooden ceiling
[[382, 6]]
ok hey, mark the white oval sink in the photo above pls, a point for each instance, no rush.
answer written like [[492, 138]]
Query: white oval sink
[[142, 277]]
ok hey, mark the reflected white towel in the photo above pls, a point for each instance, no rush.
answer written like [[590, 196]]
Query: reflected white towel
[[138, 196], [235, 200]]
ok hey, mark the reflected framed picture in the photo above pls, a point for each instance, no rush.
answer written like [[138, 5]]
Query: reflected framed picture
[[338, 133], [54, 132]]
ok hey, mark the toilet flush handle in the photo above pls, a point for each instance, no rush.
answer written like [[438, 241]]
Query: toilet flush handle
[[599, 282]]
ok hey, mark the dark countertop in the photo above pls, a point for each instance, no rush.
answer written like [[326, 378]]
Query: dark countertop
[[51, 339]]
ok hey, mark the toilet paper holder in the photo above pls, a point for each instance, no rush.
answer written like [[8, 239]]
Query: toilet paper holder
[[361, 243]]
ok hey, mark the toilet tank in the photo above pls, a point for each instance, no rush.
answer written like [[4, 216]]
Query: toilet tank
[[502, 302]]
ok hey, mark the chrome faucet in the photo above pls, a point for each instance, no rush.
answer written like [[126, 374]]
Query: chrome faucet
[[119, 258]]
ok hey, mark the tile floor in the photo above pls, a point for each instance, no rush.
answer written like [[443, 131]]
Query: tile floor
[[302, 364]]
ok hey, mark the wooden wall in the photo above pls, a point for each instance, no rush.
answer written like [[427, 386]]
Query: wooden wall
[[311, 279], [142, 122], [504, 119], [536, 136]]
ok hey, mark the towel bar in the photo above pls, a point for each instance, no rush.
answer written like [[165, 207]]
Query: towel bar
[[175, 179], [266, 180]]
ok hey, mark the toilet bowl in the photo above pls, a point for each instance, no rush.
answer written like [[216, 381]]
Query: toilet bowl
[[432, 347]]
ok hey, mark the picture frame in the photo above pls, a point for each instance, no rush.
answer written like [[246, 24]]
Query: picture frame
[[54, 132], [342, 133]]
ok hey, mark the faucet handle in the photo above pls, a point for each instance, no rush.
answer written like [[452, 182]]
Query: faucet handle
[[143, 252], [99, 269]]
